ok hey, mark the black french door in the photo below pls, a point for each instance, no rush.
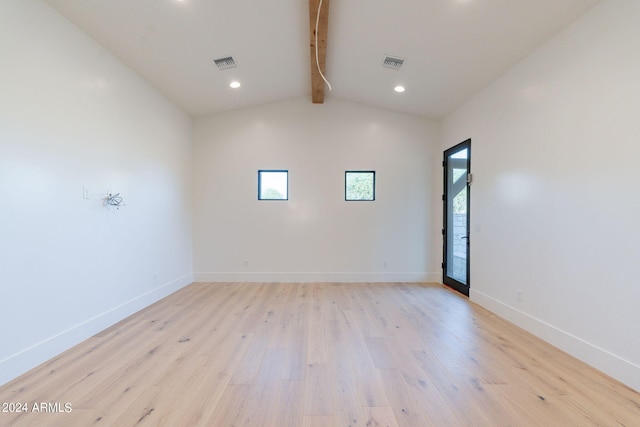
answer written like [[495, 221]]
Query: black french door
[[456, 244]]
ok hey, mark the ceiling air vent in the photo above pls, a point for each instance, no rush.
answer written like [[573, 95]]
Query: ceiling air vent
[[392, 62], [225, 63]]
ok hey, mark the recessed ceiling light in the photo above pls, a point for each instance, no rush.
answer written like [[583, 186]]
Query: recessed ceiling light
[[234, 84], [399, 89]]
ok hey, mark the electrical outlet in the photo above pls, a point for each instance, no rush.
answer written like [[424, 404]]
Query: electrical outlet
[[246, 263], [385, 263], [519, 295], [85, 192]]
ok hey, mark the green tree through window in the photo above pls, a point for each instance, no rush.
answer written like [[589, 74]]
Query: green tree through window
[[360, 185], [273, 185]]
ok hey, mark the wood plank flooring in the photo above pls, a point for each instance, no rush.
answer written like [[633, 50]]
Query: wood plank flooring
[[317, 355]]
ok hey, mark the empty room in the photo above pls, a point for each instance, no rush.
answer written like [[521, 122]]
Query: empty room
[[317, 213]]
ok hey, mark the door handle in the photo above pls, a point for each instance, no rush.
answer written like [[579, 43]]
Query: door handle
[[465, 237]]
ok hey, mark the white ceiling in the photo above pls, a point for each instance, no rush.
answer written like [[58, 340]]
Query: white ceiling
[[453, 48]]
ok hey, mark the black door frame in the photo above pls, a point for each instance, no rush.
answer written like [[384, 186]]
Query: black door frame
[[450, 281]]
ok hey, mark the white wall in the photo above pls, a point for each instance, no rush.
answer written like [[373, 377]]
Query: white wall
[[316, 235], [71, 115], [555, 151]]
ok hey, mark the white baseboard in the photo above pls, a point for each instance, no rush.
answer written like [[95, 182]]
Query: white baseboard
[[28, 358], [601, 359], [321, 277]]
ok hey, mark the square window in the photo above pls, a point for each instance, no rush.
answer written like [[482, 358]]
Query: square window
[[360, 185], [273, 185]]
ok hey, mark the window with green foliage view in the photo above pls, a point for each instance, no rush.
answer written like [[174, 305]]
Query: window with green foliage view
[[359, 185], [273, 185]]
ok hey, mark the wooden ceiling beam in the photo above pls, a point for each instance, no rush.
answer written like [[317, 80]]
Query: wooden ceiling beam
[[317, 83]]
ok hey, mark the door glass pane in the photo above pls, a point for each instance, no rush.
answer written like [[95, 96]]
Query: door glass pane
[[458, 235], [359, 185], [273, 185]]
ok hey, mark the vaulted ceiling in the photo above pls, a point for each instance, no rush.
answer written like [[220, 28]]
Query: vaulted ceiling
[[452, 48]]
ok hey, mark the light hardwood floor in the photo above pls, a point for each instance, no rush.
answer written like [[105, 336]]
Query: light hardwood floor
[[316, 355]]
